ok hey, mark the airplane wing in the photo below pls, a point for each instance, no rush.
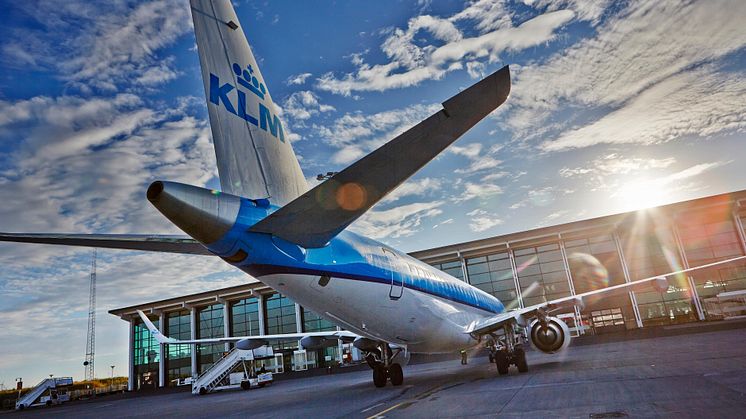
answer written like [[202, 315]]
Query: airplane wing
[[250, 342], [523, 316], [314, 218], [145, 242]]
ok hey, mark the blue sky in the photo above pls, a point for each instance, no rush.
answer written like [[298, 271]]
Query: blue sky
[[614, 106]]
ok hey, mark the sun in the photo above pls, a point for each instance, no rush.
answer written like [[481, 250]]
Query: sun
[[642, 193]]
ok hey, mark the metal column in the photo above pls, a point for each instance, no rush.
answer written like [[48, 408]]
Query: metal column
[[193, 331], [260, 309], [464, 271], [625, 270], [162, 352], [226, 323], [739, 227], [578, 317], [298, 319], [515, 278], [131, 366], [690, 280]]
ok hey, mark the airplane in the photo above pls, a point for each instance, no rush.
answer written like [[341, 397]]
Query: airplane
[[268, 223]]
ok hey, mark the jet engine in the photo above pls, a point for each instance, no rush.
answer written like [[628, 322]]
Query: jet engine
[[551, 336], [318, 342], [251, 344]]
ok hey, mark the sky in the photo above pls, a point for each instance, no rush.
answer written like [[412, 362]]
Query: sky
[[615, 106]]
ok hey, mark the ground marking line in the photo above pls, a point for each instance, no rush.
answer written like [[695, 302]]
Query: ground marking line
[[375, 405], [378, 415]]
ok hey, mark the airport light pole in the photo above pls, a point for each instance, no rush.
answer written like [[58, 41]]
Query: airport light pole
[[19, 386], [111, 383]]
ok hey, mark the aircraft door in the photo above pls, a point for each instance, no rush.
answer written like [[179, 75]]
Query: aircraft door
[[397, 274]]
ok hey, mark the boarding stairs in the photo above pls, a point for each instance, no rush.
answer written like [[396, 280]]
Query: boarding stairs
[[31, 396], [218, 374]]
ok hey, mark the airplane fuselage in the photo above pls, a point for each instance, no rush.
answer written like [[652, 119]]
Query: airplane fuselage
[[362, 285]]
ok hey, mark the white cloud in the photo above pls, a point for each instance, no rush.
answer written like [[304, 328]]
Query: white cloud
[[615, 164], [541, 197], [590, 10], [297, 79], [111, 46], [401, 221], [356, 134], [417, 187], [482, 220], [481, 191], [409, 63], [478, 162], [698, 103], [643, 45], [303, 105]]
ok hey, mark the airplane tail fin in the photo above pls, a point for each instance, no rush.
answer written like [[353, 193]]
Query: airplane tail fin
[[254, 155]]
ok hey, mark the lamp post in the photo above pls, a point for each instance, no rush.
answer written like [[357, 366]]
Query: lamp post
[[19, 386], [111, 383]]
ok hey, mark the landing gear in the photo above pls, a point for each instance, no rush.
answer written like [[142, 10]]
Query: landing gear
[[379, 376], [508, 349], [384, 369], [396, 375]]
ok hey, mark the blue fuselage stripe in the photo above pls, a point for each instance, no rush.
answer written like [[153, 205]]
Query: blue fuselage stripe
[[259, 270]]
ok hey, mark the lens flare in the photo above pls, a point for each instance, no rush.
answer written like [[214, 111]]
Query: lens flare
[[351, 196]]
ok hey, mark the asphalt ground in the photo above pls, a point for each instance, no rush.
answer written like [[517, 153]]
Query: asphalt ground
[[698, 375]]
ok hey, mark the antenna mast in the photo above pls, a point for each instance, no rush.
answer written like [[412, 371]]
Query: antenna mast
[[90, 348]]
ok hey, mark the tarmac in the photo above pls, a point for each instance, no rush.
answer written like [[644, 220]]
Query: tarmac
[[697, 375]]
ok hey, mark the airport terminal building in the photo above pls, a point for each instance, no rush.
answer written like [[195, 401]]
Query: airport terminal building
[[521, 269]]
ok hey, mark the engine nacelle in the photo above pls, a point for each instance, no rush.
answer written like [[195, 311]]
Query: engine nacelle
[[553, 337], [317, 342], [365, 344], [251, 344]]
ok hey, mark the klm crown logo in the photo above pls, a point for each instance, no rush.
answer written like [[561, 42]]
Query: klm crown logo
[[247, 79]]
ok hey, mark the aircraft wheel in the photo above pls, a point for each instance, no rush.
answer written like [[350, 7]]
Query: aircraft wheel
[[379, 376], [396, 375], [501, 361], [520, 360]]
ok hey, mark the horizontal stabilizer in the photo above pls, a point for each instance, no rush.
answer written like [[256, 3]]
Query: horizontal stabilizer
[[315, 217], [145, 242]]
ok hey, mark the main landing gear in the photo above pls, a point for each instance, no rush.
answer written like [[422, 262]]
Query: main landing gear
[[384, 367], [507, 349]]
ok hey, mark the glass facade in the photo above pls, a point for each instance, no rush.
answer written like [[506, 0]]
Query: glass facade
[[711, 236], [650, 249], [178, 357], [279, 315], [541, 274], [146, 356], [602, 247], [245, 317], [494, 275], [312, 322], [209, 325], [451, 268]]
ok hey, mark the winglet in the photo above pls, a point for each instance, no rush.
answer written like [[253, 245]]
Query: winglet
[[154, 330], [314, 218]]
